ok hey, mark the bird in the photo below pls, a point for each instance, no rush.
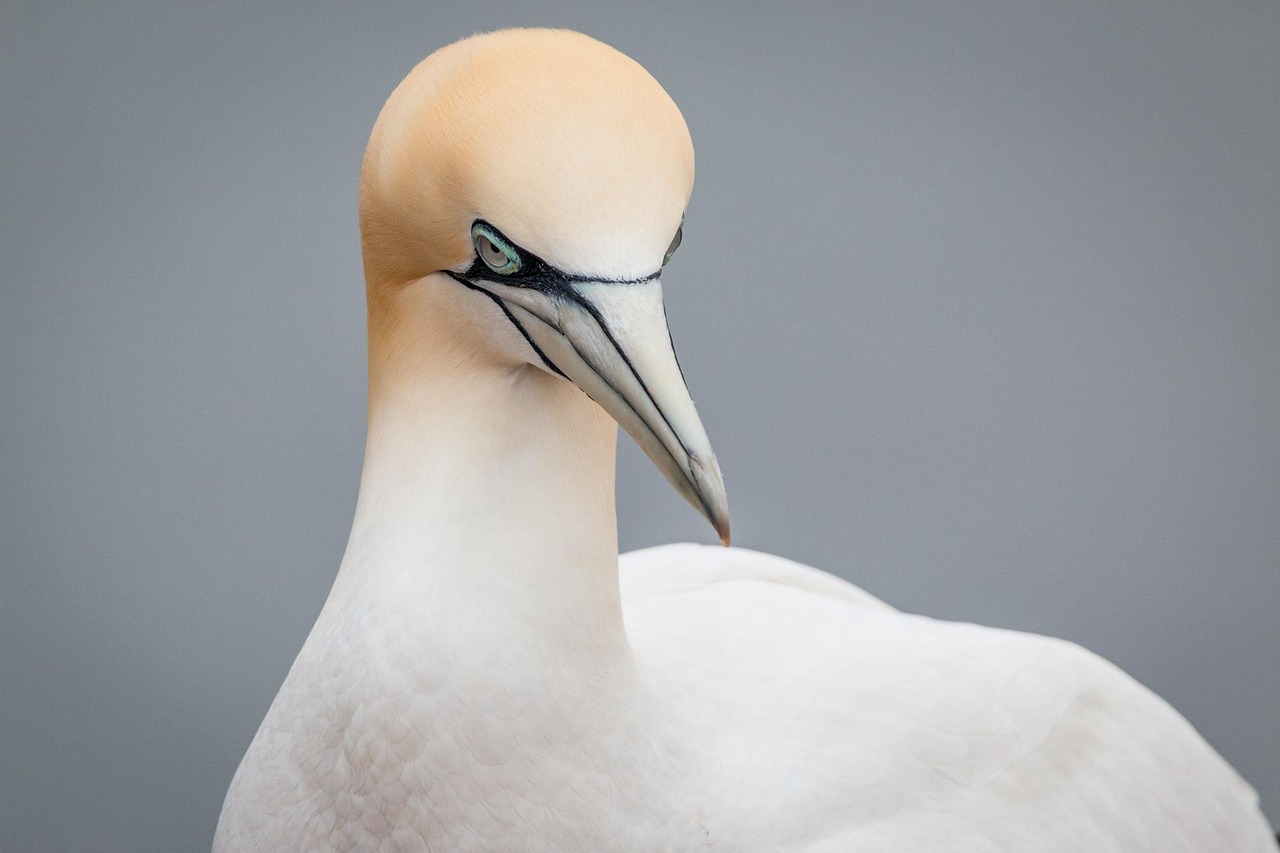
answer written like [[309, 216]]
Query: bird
[[488, 674]]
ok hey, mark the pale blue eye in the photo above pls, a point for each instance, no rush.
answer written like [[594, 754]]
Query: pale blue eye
[[497, 254]]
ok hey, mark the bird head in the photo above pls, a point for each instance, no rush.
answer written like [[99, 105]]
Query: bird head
[[541, 177]]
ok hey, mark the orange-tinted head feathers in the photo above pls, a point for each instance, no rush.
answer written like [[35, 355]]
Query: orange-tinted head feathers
[[567, 145]]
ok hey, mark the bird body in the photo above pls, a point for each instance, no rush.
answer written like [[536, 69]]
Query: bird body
[[488, 674], [758, 705]]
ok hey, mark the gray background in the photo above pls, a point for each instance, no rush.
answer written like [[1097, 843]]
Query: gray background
[[980, 303]]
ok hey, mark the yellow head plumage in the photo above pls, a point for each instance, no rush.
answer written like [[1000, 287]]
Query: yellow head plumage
[[566, 144]]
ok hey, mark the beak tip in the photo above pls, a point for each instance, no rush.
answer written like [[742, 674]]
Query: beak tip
[[719, 516], [709, 486]]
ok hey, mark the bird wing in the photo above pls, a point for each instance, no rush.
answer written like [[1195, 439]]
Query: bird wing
[[885, 719], [686, 566], [979, 700]]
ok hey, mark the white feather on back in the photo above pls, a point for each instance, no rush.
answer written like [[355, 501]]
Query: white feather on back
[[837, 717]]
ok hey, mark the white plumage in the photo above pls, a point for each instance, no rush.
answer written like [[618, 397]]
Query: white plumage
[[488, 675]]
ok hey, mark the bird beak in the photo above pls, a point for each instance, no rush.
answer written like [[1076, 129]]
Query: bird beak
[[611, 340]]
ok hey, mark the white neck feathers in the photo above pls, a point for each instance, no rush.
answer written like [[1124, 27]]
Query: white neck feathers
[[487, 497]]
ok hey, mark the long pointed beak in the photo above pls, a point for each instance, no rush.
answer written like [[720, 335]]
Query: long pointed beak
[[611, 340]]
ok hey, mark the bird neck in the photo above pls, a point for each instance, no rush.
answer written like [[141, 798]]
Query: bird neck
[[487, 497]]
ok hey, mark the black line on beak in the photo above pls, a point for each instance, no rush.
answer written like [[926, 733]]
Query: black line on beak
[[559, 285], [524, 333], [586, 304], [537, 274]]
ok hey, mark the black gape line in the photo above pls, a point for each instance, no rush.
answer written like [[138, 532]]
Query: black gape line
[[536, 274], [524, 333]]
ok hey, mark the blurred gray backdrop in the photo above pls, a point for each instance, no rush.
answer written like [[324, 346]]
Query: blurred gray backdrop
[[980, 303]]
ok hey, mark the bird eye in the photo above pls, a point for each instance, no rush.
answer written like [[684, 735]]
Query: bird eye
[[675, 243], [497, 254]]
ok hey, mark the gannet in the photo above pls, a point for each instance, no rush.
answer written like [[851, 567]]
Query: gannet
[[488, 674]]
